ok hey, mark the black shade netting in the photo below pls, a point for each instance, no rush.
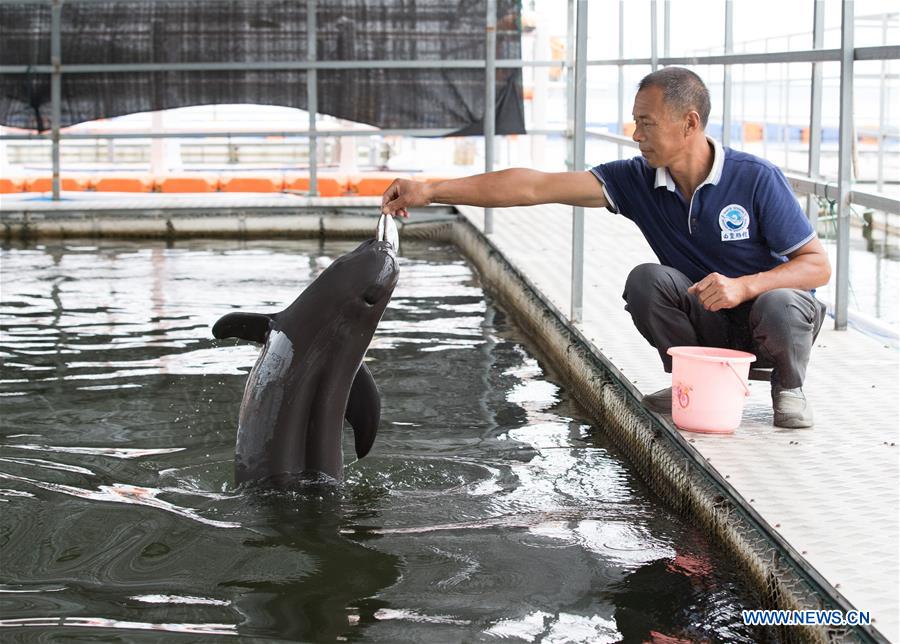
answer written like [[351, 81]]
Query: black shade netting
[[261, 31]]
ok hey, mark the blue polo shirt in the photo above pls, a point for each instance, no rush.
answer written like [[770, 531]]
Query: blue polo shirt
[[743, 219]]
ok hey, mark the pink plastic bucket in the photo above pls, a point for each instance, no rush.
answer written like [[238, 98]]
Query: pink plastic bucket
[[708, 388]]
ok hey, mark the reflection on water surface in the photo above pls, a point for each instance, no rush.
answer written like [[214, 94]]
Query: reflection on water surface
[[489, 508]]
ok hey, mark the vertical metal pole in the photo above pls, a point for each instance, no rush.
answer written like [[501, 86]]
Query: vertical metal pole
[[743, 118], [621, 92], [842, 290], [815, 110], [654, 37], [541, 80], [726, 79], [4, 159], [667, 27], [490, 81], [157, 145], [570, 83], [785, 96], [312, 98], [580, 121], [882, 108], [55, 88], [765, 132]]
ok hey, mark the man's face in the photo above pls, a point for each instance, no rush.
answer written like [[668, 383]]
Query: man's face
[[659, 134]]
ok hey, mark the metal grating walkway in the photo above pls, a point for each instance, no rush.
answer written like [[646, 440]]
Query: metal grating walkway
[[833, 491]]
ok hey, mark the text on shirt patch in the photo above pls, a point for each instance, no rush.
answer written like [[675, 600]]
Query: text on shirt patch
[[734, 220]]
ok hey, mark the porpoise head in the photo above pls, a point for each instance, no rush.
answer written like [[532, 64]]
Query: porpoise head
[[367, 277], [354, 291]]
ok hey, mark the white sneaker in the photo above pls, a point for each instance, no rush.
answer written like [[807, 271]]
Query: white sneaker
[[791, 408]]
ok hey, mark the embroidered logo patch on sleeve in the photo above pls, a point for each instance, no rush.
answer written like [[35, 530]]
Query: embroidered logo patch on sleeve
[[734, 220]]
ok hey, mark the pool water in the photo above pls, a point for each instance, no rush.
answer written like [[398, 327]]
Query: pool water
[[490, 507]]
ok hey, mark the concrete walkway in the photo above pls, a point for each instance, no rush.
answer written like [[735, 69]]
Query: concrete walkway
[[832, 492]]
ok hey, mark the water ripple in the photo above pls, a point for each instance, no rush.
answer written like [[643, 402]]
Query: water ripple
[[414, 616], [52, 465], [112, 452], [180, 599], [116, 624], [553, 629], [21, 589], [122, 493]]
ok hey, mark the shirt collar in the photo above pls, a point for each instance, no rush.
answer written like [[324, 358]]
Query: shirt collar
[[664, 179]]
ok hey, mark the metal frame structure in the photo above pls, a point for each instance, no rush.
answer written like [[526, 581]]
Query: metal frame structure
[[841, 191], [312, 95], [490, 89], [580, 82], [842, 270]]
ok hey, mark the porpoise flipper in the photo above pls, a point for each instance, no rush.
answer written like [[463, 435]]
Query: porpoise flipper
[[246, 326], [363, 410]]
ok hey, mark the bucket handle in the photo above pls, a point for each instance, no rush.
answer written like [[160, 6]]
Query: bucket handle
[[738, 376]]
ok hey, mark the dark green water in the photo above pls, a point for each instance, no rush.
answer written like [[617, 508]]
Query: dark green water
[[489, 509]]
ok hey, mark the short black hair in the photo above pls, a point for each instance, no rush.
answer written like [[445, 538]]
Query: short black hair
[[683, 90]]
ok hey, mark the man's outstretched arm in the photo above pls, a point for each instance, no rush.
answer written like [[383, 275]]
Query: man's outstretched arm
[[513, 187]]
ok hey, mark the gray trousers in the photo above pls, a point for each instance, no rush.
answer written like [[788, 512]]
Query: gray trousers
[[778, 327]]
